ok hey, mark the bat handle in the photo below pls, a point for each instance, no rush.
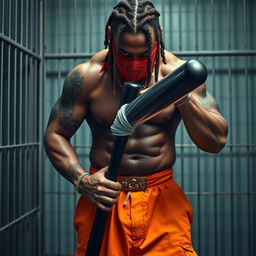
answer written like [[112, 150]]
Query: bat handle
[[130, 92]]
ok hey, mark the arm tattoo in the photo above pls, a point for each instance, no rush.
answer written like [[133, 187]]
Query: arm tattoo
[[74, 167], [64, 107]]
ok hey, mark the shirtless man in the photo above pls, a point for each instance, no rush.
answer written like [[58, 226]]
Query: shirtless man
[[152, 222]]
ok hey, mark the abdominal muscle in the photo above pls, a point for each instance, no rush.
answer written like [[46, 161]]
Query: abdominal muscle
[[149, 149]]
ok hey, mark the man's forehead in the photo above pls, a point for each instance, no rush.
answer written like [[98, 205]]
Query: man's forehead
[[139, 39]]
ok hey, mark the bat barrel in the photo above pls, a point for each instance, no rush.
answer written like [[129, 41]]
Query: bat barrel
[[183, 80]]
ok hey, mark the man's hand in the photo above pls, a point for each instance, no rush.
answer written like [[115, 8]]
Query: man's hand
[[99, 190]]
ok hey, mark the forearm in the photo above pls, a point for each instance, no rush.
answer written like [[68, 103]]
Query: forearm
[[207, 129], [62, 156]]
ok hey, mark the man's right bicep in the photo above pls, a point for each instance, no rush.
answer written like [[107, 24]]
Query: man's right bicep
[[66, 120], [70, 109]]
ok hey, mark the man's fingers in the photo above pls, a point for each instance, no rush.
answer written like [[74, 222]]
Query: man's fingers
[[112, 184], [101, 191], [104, 203], [108, 192], [101, 180], [106, 200]]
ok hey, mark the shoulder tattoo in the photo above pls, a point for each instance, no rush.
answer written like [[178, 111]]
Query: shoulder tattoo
[[64, 108]]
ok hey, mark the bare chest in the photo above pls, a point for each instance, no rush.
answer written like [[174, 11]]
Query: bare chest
[[105, 104]]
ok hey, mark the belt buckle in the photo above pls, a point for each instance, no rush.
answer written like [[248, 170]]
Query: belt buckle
[[134, 183]]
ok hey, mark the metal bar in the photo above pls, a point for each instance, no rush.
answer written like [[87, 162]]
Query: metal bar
[[59, 180], [8, 95], [105, 11], [41, 169], [215, 187], [20, 145], [59, 26], [73, 61], [75, 25], [20, 132], [248, 153], [2, 15], [177, 53], [232, 249], [26, 100], [25, 193], [198, 201], [196, 25], [14, 200], [197, 150], [1, 90], [32, 21], [14, 97], [20, 140], [248, 135], [180, 26], [24, 216], [90, 26], [14, 180], [35, 110], [31, 108], [21, 24], [27, 44], [10, 19], [1, 125], [36, 27], [36, 164], [216, 53], [19, 46], [16, 21], [7, 181]]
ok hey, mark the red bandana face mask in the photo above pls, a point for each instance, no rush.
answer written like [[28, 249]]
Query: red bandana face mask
[[133, 69]]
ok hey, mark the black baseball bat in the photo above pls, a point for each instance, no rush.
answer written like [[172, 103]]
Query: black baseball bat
[[130, 92], [183, 80]]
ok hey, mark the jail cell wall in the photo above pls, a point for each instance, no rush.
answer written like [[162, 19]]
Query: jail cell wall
[[220, 187], [20, 63]]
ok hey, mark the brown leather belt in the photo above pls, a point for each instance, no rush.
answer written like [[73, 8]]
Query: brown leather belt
[[129, 183]]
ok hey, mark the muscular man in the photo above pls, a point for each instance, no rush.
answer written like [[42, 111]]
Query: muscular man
[[155, 219]]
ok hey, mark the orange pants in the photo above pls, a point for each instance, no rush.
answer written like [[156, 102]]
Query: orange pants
[[155, 222]]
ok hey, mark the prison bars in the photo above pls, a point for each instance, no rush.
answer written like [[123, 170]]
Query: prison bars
[[19, 129], [213, 53]]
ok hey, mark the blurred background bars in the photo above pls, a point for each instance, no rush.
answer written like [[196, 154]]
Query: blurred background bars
[[20, 134], [41, 41]]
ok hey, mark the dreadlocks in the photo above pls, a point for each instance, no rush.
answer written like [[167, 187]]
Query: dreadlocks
[[135, 16]]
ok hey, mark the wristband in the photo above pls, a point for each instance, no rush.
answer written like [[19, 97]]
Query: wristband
[[79, 181], [184, 101]]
